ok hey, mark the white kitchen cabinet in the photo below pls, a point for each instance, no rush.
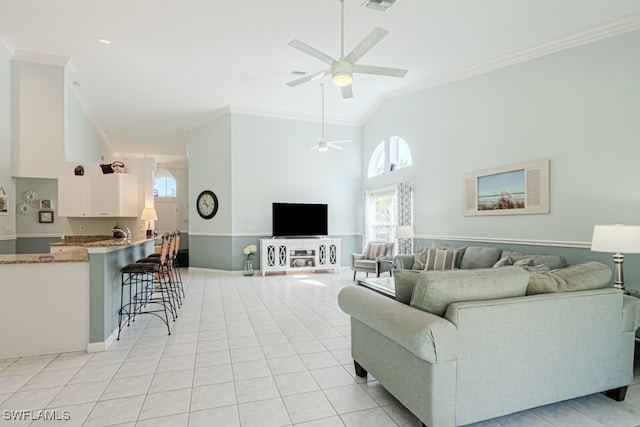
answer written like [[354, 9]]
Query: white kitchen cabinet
[[110, 195], [73, 196], [114, 195]]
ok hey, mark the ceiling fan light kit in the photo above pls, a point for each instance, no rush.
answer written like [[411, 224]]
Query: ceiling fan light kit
[[341, 73]]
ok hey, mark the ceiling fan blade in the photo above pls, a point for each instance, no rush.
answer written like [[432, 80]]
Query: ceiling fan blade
[[366, 44], [347, 92], [311, 51], [315, 147], [335, 147], [308, 77], [380, 71]]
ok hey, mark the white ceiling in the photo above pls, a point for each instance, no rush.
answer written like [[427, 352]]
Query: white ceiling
[[172, 62]]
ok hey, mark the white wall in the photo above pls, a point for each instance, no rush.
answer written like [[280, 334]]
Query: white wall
[[579, 108], [7, 222], [82, 142], [272, 163], [38, 119]]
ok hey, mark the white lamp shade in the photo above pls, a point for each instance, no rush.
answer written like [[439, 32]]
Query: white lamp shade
[[149, 214], [404, 232], [617, 238]]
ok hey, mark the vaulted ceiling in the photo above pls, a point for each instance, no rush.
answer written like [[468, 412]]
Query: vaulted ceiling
[[171, 63]]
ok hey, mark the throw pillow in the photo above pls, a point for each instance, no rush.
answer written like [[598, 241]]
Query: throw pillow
[[436, 244], [553, 261], [523, 262], [537, 268], [435, 290], [503, 262], [435, 259], [374, 250], [579, 277], [480, 257]]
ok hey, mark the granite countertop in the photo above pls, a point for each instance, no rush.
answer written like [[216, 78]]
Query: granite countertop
[[94, 241], [67, 256]]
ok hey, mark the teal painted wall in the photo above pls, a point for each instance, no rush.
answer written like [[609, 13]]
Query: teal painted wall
[[251, 162], [33, 236], [226, 253], [579, 108]]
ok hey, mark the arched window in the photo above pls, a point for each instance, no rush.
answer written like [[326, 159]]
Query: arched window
[[377, 161], [388, 156], [164, 184]]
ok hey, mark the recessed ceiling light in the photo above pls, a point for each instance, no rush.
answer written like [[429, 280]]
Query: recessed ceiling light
[[104, 41]]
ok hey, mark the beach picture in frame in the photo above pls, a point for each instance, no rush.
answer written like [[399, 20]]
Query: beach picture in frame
[[516, 189], [45, 204]]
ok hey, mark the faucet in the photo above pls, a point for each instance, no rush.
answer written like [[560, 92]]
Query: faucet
[[126, 233]]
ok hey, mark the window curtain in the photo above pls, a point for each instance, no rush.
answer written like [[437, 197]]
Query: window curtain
[[404, 192]]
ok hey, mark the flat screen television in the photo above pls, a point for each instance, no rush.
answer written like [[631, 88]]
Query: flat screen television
[[300, 220]]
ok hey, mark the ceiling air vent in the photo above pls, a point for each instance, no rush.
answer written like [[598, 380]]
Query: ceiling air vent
[[382, 5]]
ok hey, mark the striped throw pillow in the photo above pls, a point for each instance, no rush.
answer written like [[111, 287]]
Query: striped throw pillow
[[374, 250], [435, 259]]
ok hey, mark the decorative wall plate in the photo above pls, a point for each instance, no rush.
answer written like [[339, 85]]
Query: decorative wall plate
[[24, 208], [30, 196]]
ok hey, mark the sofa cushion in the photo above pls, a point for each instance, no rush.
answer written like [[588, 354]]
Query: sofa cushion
[[435, 290], [524, 262], [374, 250], [405, 281], [365, 263], [579, 277], [553, 261], [435, 259], [480, 257]]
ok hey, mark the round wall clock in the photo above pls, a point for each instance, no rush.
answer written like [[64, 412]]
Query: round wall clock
[[207, 204]]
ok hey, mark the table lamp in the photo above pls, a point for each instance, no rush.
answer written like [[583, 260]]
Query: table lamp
[[149, 214], [405, 232], [616, 239]]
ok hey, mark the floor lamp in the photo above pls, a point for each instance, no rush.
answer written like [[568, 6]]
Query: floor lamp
[[405, 232], [616, 239]]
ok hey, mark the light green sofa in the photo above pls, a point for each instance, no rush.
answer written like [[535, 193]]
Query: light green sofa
[[492, 353]]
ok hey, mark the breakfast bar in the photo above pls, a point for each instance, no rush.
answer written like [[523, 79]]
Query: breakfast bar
[[63, 301]]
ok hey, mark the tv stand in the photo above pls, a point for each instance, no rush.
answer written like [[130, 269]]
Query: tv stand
[[282, 255]]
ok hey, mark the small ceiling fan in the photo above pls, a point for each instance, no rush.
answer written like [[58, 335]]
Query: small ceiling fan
[[323, 144], [342, 70]]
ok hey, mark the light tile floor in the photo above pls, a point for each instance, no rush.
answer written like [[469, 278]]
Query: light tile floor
[[245, 351]]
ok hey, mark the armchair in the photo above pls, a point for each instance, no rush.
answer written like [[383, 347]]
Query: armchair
[[366, 262]]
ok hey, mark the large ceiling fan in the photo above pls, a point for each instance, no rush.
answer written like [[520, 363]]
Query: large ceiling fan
[[342, 70], [323, 144]]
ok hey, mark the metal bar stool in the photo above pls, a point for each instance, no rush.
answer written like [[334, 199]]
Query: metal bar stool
[[146, 291]]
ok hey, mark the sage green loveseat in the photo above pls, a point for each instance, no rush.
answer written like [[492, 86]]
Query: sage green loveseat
[[471, 345]]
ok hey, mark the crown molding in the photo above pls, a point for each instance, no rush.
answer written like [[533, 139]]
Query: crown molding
[[41, 58], [615, 27], [7, 46]]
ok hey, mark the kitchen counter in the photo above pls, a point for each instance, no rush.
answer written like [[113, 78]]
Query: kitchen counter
[[96, 242], [67, 256]]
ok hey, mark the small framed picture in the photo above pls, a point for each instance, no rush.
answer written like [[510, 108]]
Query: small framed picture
[[45, 204], [46, 217]]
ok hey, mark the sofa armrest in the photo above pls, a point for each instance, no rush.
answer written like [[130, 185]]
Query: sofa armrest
[[404, 261], [630, 313], [429, 337]]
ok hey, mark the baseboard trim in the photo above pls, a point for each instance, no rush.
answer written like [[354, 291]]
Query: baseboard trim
[[97, 347]]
